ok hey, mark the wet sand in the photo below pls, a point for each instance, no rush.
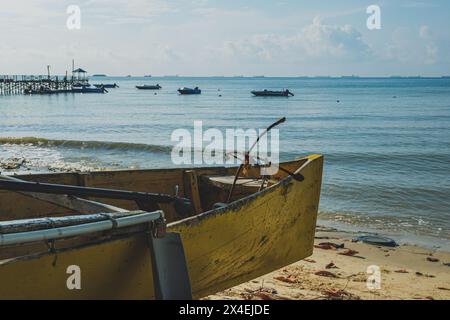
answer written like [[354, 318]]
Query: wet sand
[[406, 272]]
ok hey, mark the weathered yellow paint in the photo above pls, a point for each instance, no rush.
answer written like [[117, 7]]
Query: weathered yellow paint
[[225, 247]]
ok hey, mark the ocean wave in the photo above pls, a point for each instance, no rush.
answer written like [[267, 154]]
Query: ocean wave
[[420, 158], [387, 224], [26, 158], [77, 144]]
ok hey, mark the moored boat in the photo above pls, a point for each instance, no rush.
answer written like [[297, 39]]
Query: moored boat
[[79, 89], [149, 87], [89, 90], [188, 91], [45, 91], [269, 93], [108, 85], [81, 85], [232, 230]]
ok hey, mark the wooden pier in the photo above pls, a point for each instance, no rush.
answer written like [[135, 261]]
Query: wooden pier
[[12, 85]]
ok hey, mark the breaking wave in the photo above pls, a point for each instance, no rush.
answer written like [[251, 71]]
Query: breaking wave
[[76, 144]]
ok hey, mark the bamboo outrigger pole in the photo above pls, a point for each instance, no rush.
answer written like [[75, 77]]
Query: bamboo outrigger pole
[[78, 230]]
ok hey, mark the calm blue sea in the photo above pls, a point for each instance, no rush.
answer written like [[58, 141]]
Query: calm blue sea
[[386, 142]]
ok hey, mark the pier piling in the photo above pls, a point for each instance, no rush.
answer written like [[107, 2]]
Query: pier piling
[[15, 84]]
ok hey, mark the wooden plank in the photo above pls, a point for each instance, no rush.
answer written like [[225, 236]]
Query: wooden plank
[[69, 202], [170, 272], [195, 193]]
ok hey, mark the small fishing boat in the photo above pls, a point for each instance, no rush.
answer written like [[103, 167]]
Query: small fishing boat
[[89, 90], [108, 85], [268, 93], [187, 91], [81, 85], [45, 91], [149, 87]]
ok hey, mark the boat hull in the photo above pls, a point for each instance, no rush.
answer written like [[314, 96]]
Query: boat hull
[[107, 86], [224, 247], [89, 90], [148, 87], [189, 91], [271, 93]]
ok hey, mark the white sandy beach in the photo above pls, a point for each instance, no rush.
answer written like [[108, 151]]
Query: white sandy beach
[[407, 273]]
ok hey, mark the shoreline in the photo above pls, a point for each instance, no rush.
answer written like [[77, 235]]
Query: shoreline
[[407, 238], [407, 272]]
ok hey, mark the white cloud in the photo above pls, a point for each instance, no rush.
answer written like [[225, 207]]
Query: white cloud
[[201, 37], [409, 46], [315, 41]]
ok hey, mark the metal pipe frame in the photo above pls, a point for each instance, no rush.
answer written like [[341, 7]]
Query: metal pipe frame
[[79, 230]]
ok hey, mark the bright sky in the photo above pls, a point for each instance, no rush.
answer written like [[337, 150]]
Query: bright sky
[[227, 37]]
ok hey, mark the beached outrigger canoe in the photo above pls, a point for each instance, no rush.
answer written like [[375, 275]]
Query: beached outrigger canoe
[[267, 223]]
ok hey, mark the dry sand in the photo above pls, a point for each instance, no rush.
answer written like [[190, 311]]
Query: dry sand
[[406, 272]]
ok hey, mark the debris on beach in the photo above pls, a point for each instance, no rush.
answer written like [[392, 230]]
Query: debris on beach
[[329, 246], [420, 274], [327, 274], [261, 294], [336, 246], [358, 277], [323, 247], [310, 260], [264, 296], [432, 259], [334, 294], [331, 265], [349, 252], [447, 264], [401, 271], [287, 279]]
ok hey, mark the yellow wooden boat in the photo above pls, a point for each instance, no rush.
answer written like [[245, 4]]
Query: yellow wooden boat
[[226, 243]]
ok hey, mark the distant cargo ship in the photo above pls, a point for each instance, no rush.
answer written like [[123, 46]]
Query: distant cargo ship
[[99, 75]]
